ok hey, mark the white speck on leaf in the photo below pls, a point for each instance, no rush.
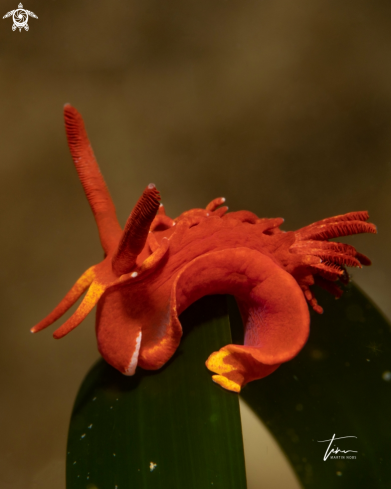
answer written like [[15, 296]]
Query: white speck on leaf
[[152, 466], [90, 426], [83, 436]]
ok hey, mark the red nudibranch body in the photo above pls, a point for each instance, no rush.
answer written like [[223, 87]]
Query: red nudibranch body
[[157, 266]]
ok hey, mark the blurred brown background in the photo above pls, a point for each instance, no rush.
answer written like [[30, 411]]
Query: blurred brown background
[[282, 107]]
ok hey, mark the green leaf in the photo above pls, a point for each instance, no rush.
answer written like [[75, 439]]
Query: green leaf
[[340, 384], [176, 418]]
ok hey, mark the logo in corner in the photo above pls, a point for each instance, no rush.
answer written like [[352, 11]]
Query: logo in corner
[[20, 17]]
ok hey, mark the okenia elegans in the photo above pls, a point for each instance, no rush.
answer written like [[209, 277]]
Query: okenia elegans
[[157, 266]]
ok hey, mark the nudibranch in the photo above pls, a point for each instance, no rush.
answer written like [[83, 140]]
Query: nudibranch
[[157, 266]]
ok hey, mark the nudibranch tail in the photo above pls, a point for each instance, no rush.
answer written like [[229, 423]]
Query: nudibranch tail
[[236, 367], [274, 311], [136, 231], [71, 297], [92, 180]]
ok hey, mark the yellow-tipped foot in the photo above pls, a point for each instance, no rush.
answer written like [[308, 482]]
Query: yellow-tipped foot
[[216, 362], [230, 385]]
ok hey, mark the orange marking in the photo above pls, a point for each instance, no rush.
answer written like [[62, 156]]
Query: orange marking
[[216, 362], [93, 295], [226, 383], [71, 297]]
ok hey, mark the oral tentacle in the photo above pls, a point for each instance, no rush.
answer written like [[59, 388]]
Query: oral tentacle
[[94, 293], [136, 231], [67, 302], [92, 180]]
